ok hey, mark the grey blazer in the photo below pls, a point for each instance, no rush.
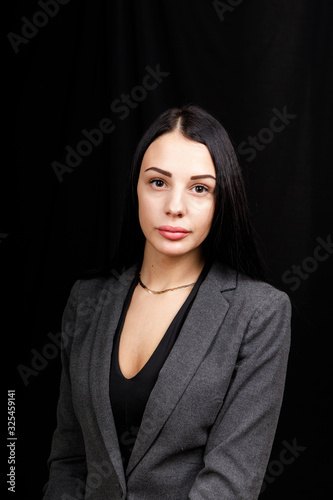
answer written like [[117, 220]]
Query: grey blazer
[[209, 423]]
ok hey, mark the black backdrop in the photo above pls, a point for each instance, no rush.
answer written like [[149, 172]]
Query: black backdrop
[[264, 68]]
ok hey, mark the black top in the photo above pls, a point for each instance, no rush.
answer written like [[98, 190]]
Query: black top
[[129, 396]]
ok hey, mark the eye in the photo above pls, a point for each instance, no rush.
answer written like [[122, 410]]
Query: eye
[[156, 180], [201, 187]]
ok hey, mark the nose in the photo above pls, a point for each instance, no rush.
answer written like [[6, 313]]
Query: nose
[[175, 204]]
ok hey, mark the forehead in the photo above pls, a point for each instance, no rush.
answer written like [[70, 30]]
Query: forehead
[[173, 152]]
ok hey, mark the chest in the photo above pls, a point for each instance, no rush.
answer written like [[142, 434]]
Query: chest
[[147, 319]]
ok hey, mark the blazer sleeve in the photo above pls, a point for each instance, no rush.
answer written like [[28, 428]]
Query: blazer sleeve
[[240, 441], [67, 461]]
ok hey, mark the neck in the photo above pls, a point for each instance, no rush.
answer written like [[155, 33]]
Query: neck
[[159, 271]]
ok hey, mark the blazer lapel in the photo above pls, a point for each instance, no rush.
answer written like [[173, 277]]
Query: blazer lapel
[[198, 331], [104, 326]]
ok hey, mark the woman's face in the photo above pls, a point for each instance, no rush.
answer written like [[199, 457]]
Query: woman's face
[[168, 194]]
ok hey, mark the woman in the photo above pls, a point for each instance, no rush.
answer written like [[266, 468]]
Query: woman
[[174, 363]]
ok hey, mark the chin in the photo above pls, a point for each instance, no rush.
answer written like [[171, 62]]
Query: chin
[[172, 249]]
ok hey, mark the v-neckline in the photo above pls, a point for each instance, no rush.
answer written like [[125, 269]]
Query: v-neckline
[[159, 345], [164, 339]]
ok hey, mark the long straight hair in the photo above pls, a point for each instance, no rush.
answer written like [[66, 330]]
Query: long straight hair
[[231, 239]]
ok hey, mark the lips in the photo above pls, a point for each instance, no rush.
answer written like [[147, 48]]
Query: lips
[[173, 229], [173, 232]]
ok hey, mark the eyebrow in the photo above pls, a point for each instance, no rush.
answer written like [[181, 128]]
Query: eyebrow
[[168, 174]]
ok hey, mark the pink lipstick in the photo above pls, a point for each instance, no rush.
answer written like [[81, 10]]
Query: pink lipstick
[[173, 232]]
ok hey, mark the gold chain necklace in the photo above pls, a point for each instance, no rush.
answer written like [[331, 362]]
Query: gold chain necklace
[[163, 291]]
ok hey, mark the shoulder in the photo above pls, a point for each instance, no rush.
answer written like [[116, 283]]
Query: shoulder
[[259, 292], [245, 292], [86, 299], [258, 314], [90, 290], [85, 289]]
